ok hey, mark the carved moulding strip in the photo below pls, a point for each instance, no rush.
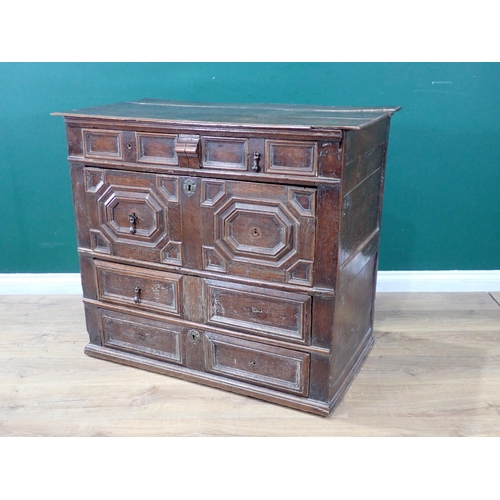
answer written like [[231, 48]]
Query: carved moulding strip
[[168, 187], [94, 180], [212, 190], [99, 242], [301, 273], [303, 201], [172, 253], [213, 260]]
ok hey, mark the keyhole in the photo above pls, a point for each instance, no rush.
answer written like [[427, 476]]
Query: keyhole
[[253, 362], [256, 232], [189, 187]]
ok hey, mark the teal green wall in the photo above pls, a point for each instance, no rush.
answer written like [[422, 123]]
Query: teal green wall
[[441, 204]]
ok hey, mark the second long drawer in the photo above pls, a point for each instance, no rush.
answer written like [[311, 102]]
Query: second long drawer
[[253, 310]]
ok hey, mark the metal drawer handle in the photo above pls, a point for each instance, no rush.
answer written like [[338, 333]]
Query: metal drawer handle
[[256, 158], [133, 219], [137, 297]]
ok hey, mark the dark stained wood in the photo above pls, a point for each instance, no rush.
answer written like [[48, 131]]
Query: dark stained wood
[[225, 153], [234, 246], [256, 363], [74, 141], [157, 148], [327, 235], [329, 159], [353, 316], [363, 166], [94, 327], [87, 273], [292, 157], [78, 181], [360, 215], [148, 338], [103, 144], [257, 310], [300, 116], [358, 143], [139, 288]]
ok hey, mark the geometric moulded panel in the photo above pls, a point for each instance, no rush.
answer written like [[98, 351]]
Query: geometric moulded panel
[[169, 188], [172, 253], [98, 242], [212, 190], [259, 231], [131, 215], [303, 200], [213, 260], [300, 273], [94, 180]]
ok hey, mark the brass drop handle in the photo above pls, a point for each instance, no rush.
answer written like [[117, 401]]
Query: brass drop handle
[[256, 158], [133, 219], [137, 297]]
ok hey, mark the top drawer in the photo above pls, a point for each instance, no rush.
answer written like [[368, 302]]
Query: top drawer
[[264, 155]]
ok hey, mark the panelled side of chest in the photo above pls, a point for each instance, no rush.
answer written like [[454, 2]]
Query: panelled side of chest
[[361, 206]]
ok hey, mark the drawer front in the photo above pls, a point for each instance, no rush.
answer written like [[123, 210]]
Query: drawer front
[[261, 231], [133, 215], [225, 153], [253, 153], [157, 148], [103, 144], [260, 311], [154, 339], [194, 151], [292, 157], [259, 364], [139, 288]]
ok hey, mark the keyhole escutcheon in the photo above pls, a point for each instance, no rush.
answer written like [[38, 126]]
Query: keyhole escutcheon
[[193, 336], [189, 187]]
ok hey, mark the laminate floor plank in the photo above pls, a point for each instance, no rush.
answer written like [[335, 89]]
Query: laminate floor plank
[[496, 297], [434, 371]]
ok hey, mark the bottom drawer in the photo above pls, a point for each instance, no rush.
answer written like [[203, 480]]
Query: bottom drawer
[[256, 363], [153, 339], [199, 350]]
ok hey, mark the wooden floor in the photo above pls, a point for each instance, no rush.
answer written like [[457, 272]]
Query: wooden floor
[[434, 371]]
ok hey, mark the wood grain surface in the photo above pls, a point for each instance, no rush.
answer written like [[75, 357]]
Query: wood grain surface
[[434, 371], [264, 115]]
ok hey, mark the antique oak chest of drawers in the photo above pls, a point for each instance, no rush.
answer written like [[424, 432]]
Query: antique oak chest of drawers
[[231, 245]]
